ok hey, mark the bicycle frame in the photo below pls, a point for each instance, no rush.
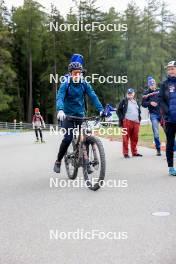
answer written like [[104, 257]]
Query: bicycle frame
[[80, 148]]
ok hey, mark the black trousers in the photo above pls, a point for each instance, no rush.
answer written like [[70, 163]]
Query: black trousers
[[68, 125], [38, 130], [170, 135]]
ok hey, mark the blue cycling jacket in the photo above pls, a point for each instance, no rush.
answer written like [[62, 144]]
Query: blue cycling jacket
[[72, 100]]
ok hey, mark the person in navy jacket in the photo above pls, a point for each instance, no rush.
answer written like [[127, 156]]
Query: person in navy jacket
[[150, 100], [168, 107]]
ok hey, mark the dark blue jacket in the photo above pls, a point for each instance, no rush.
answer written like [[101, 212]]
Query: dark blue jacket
[[168, 99], [151, 96], [72, 100]]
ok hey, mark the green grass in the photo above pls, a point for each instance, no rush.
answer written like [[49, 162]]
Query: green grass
[[14, 130], [6, 130], [145, 135]]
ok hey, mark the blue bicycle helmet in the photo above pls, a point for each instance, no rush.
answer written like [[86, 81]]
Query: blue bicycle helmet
[[75, 66]]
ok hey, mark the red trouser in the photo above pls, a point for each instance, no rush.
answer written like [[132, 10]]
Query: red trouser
[[132, 134]]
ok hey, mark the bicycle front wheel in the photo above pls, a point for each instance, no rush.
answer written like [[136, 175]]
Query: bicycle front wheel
[[70, 162], [94, 168]]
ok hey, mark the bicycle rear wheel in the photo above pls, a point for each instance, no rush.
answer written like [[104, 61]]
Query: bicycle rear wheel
[[94, 168]]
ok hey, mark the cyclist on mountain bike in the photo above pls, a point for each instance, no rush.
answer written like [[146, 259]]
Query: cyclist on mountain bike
[[71, 101]]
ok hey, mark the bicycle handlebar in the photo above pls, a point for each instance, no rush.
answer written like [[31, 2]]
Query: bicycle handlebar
[[82, 118]]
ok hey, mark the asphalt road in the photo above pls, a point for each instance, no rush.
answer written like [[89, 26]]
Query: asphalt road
[[30, 210]]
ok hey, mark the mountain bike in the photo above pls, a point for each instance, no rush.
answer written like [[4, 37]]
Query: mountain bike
[[86, 151]]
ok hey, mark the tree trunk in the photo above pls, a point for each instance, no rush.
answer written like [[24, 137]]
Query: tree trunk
[[30, 101], [30, 89], [55, 85]]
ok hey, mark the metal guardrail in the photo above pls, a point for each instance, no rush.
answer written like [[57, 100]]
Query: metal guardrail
[[18, 126]]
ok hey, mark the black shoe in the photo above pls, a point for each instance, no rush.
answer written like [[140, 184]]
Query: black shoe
[[57, 166], [126, 156], [137, 155], [158, 153]]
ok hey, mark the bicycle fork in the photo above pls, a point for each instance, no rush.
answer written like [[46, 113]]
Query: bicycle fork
[[85, 155]]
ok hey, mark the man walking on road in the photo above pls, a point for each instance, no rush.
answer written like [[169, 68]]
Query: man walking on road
[[168, 107], [129, 118], [150, 100]]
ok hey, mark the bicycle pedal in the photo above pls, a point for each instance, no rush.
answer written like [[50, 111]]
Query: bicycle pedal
[[89, 169], [95, 162]]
